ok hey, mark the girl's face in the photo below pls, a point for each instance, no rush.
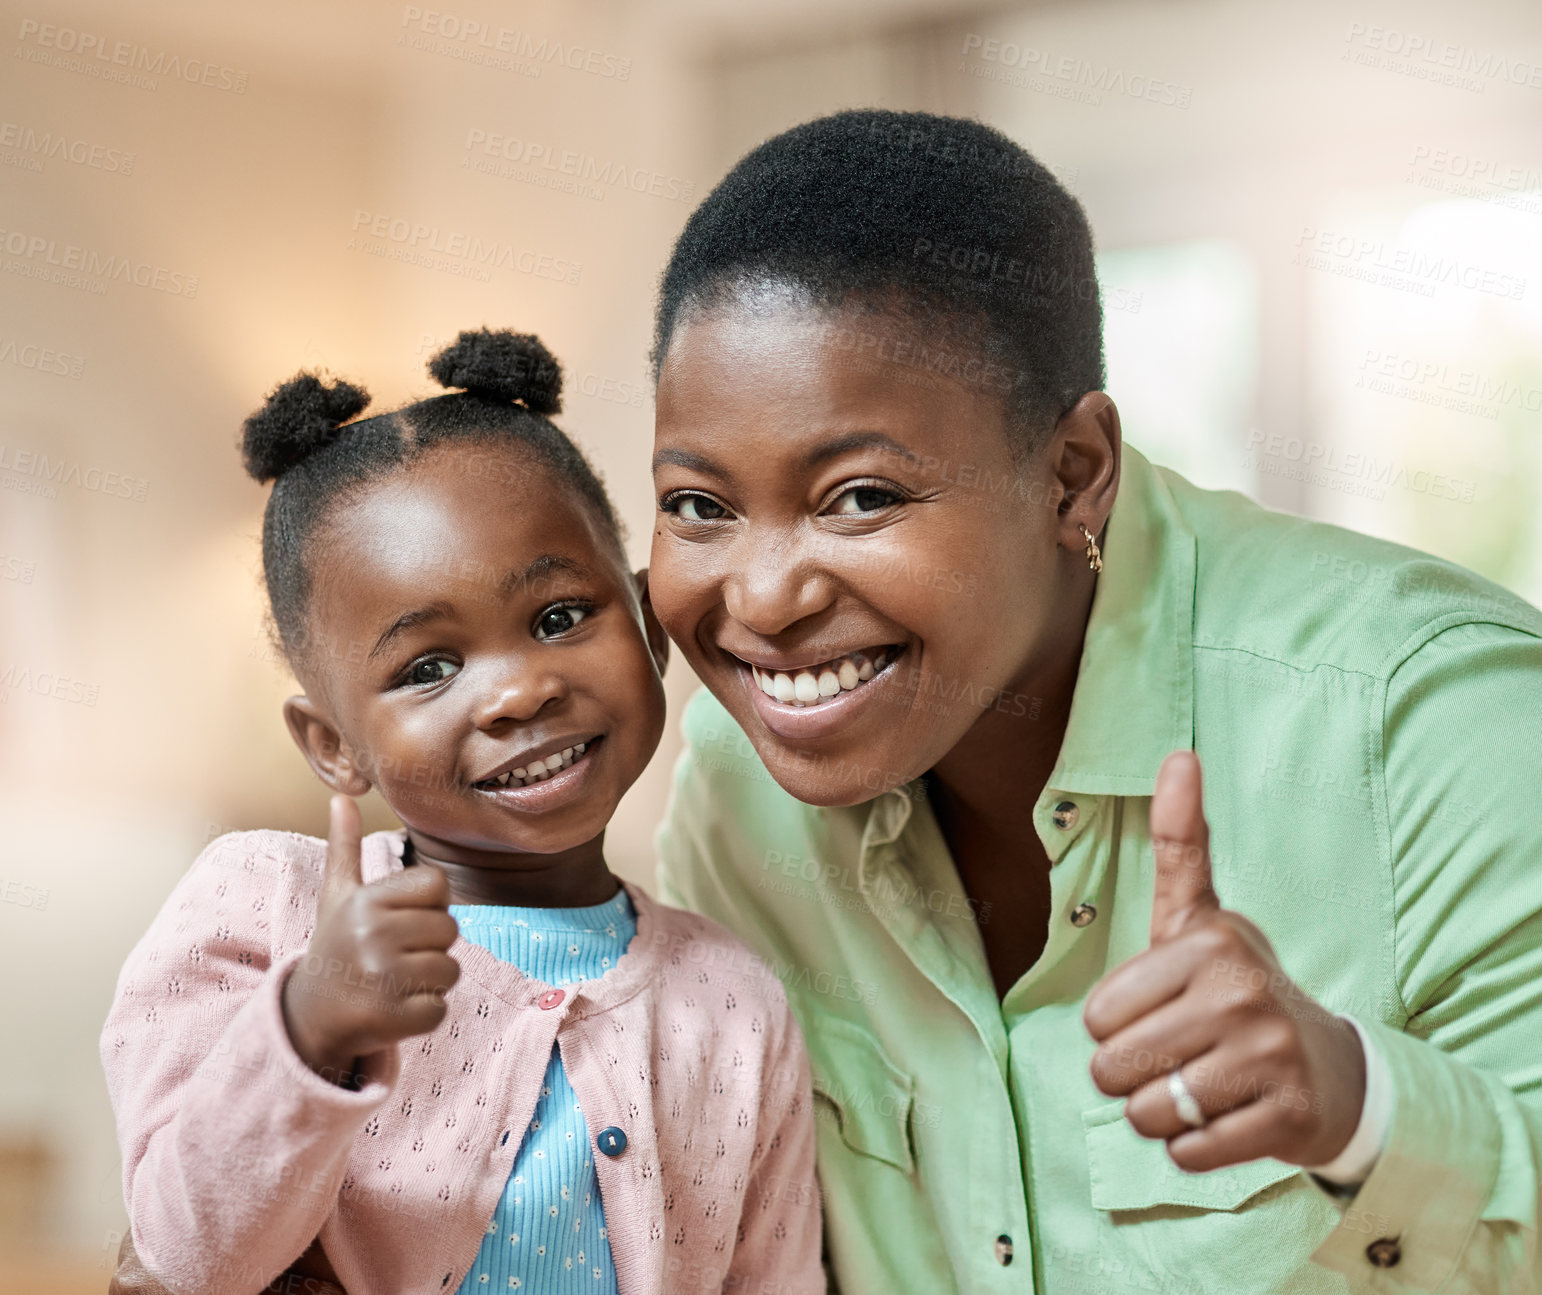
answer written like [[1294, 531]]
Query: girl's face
[[845, 549], [480, 651]]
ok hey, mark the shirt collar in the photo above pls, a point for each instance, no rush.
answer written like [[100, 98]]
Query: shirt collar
[[1134, 698]]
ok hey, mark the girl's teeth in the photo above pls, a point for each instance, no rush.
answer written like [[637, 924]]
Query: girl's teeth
[[829, 683], [865, 671], [782, 688], [578, 747], [518, 774], [805, 687], [846, 676], [553, 763]]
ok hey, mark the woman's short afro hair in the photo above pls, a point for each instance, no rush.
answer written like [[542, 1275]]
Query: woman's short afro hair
[[948, 217]]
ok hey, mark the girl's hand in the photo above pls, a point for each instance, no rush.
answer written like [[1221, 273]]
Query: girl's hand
[[1274, 1073], [378, 967]]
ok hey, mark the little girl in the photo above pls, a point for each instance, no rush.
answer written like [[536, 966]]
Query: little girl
[[463, 1054]]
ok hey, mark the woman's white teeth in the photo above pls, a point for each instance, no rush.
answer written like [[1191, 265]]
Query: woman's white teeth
[[539, 770], [820, 683]]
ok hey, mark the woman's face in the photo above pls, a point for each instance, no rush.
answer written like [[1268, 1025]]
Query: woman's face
[[845, 549]]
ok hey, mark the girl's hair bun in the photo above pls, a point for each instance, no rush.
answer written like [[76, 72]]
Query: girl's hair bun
[[300, 417], [501, 365]]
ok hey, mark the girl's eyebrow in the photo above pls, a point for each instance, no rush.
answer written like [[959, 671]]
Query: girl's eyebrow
[[543, 567], [830, 449], [410, 620]]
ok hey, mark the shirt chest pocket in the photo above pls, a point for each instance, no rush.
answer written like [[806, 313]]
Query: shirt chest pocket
[[1129, 1172], [863, 1094]]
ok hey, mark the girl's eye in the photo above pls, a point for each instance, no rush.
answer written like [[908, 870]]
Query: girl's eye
[[695, 508], [431, 670], [862, 499], [558, 620]]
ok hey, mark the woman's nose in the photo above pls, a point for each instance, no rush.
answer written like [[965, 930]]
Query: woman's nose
[[777, 584], [519, 692]]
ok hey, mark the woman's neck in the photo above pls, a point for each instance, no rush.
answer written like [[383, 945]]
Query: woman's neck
[[577, 878], [996, 771]]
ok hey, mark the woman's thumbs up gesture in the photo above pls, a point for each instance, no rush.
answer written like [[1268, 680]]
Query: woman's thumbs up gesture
[[1263, 1070], [378, 965]]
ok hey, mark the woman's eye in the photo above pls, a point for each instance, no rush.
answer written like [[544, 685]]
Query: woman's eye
[[862, 499], [696, 508], [431, 671], [558, 620]]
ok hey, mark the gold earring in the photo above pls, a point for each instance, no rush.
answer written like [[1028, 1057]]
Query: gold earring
[[1094, 554]]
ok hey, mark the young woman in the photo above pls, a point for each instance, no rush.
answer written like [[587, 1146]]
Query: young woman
[[967, 655]]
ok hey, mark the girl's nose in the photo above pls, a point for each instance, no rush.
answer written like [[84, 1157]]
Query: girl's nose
[[519, 693], [777, 585]]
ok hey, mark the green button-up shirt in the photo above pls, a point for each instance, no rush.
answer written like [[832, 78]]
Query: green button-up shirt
[[1369, 720]]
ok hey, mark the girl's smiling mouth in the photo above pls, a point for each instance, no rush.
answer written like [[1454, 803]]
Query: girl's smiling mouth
[[542, 780]]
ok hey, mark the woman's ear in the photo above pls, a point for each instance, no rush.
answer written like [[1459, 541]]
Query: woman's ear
[[658, 641], [1085, 456], [323, 747]]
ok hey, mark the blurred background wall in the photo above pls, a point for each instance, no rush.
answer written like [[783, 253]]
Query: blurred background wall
[[1320, 229]]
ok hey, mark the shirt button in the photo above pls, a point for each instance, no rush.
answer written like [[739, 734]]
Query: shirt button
[[1083, 915], [612, 1141], [1003, 1250], [552, 998], [1384, 1253], [1066, 815]]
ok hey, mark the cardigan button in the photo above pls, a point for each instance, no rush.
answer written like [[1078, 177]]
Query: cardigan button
[[1083, 915], [1384, 1253], [612, 1141], [552, 998], [1003, 1250], [1066, 814]]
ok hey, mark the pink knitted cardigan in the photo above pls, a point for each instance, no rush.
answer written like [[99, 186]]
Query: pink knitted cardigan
[[235, 1154]]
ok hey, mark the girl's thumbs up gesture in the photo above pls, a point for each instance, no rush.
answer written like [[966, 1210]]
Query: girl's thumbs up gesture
[[378, 967], [1262, 1069]]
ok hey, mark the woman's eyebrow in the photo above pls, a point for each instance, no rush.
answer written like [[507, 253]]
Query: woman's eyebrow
[[687, 459], [857, 441], [813, 458]]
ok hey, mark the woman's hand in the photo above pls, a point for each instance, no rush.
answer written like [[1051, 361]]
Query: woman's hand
[[378, 965], [1274, 1073]]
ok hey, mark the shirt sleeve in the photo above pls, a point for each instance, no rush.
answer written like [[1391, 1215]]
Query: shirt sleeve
[[1353, 1165], [1452, 1203], [780, 1222], [233, 1148]]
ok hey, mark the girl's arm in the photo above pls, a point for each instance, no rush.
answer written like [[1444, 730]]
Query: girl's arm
[[233, 1148], [780, 1220]]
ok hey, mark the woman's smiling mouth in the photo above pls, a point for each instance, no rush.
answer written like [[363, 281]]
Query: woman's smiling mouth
[[840, 688], [817, 684]]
